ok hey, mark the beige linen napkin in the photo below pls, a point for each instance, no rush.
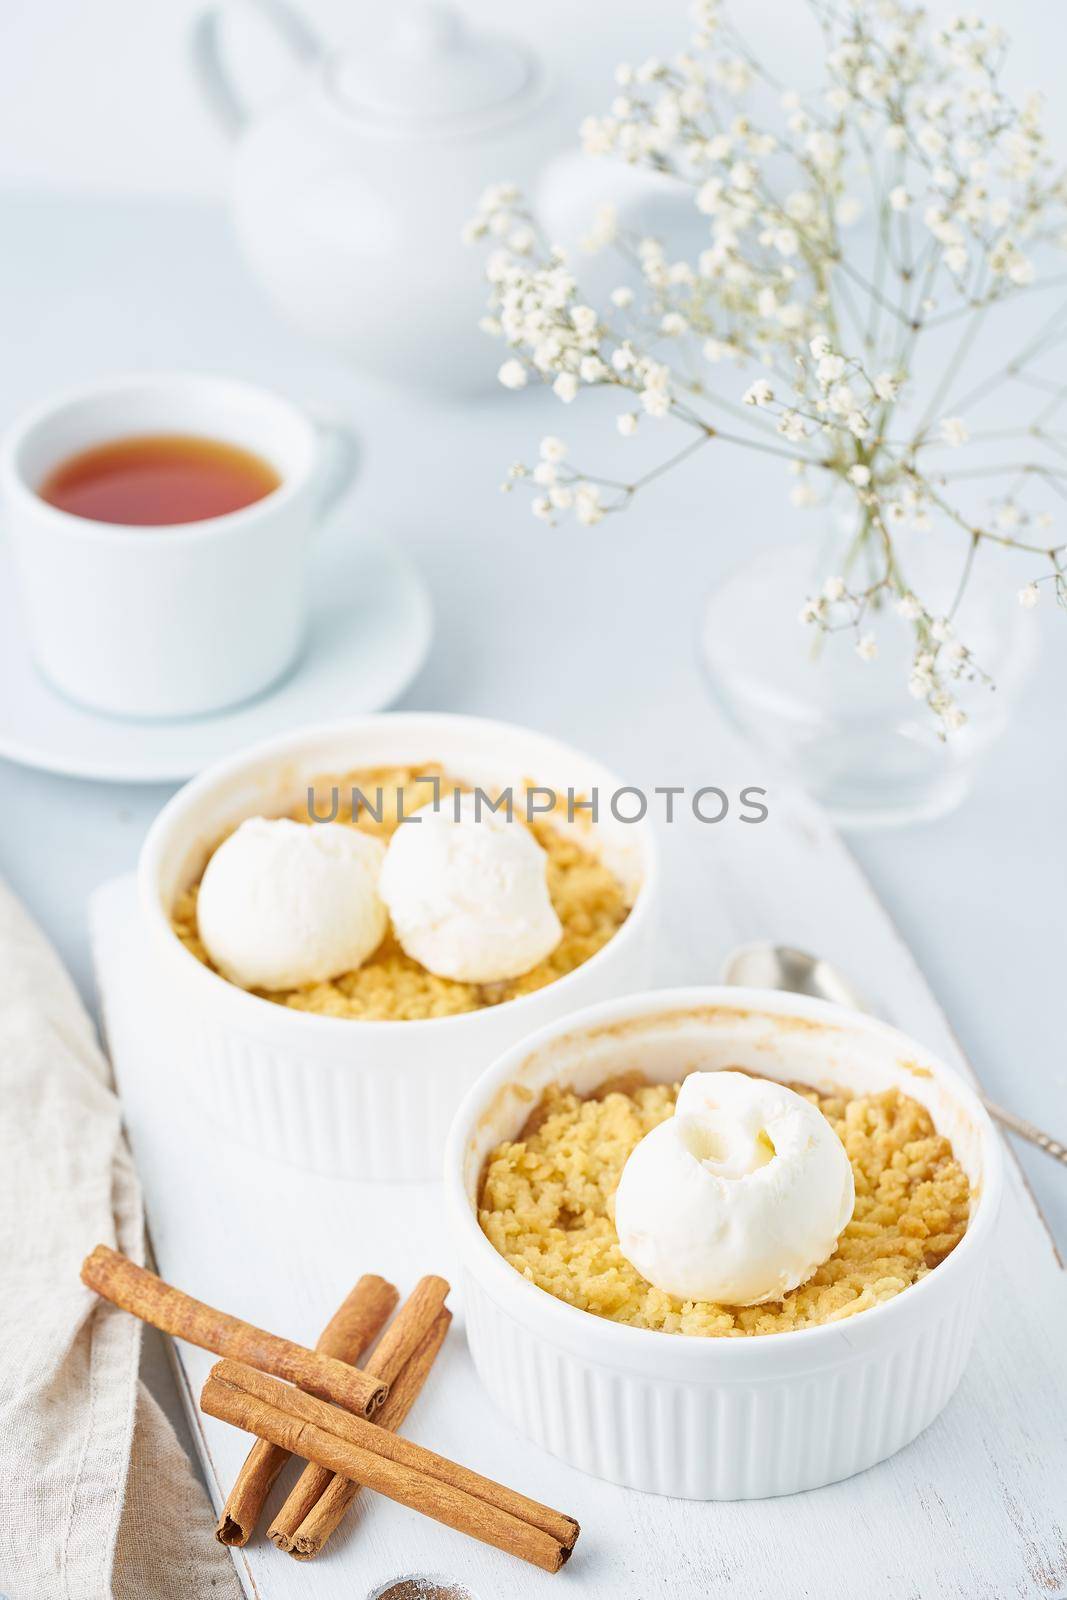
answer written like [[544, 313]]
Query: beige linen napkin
[[97, 1497]]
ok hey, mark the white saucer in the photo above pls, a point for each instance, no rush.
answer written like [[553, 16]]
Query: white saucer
[[371, 624]]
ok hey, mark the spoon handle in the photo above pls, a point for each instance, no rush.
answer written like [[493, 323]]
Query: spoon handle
[[1026, 1130], [770, 966]]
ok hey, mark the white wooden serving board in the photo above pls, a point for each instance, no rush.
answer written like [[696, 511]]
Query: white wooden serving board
[[973, 1510]]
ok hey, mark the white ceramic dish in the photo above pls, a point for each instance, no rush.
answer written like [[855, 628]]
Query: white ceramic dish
[[371, 625], [367, 164], [719, 1419], [339, 1096]]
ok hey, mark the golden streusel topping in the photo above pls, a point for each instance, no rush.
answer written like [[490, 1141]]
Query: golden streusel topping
[[390, 986], [546, 1204]]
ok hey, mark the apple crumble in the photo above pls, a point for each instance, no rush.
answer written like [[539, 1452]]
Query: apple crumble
[[546, 1204], [588, 899]]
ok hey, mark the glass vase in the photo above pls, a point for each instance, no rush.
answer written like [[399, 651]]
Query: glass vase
[[848, 729]]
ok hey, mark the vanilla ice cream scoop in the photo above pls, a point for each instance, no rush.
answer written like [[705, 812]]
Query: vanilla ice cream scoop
[[468, 897], [738, 1197], [284, 903]]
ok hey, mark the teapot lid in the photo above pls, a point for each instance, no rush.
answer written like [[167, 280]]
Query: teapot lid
[[432, 67]]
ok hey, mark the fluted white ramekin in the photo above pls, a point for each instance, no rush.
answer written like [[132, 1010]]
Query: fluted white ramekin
[[719, 1419], [336, 1095]]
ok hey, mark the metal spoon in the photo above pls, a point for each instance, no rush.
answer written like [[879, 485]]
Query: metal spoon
[[777, 966]]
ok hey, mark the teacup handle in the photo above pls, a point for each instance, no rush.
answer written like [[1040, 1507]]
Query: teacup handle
[[206, 49], [337, 463]]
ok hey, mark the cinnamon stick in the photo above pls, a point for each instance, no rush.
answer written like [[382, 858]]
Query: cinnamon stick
[[406, 1332], [125, 1284], [405, 1335], [354, 1325], [332, 1494], [391, 1465]]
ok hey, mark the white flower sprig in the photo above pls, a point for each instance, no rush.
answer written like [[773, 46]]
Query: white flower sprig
[[912, 129]]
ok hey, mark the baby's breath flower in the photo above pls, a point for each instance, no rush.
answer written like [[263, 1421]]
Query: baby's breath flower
[[954, 431], [823, 148], [512, 375], [969, 205], [598, 135], [841, 398], [587, 506], [759, 393], [497, 197], [931, 140], [591, 369]]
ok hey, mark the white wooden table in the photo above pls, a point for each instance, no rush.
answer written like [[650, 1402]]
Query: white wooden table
[[970, 1510], [587, 634], [590, 636]]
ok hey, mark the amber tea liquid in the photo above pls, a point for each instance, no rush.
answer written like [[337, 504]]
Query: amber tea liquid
[[155, 480]]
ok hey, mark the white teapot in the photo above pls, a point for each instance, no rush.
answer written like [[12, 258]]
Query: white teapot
[[350, 193]]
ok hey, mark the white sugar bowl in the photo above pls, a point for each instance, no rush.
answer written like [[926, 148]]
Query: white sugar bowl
[[350, 191]]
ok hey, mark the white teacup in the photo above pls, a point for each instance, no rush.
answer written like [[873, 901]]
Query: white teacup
[[186, 618]]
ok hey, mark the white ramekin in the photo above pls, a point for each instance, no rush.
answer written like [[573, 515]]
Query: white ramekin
[[339, 1096], [718, 1419]]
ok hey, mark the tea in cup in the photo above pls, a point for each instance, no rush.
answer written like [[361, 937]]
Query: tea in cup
[[161, 528]]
